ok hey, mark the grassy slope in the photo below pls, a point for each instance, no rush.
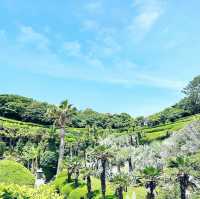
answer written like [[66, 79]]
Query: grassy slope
[[150, 134], [160, 132], [13, 172]]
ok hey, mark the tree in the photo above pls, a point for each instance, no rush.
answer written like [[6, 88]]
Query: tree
[[31, 153], [62, 116], [192, 92], [121, 181], [77, 168], [74, 165], [184, 178], [102, 154], [151, 175]]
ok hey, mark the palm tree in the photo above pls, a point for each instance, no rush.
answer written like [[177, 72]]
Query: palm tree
[[151, 175], [73, 165], [102, 154], [121, 181], [185, 180], [61, 115]]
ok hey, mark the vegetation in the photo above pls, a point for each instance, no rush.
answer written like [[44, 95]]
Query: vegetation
[[12, 172], [86, 154], [62, 117]]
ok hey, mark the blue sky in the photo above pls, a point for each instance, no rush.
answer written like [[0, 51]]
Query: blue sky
[[114, 56]]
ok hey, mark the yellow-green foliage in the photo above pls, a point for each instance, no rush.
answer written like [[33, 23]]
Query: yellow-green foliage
[[13, 172], [13, 191], [21, 129]]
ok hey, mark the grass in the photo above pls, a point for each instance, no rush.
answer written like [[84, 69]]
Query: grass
[[162, 131], [13, 172], [70, 192]]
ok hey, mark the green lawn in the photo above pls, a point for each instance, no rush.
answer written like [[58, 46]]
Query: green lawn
[[70, 192], [13, 172]]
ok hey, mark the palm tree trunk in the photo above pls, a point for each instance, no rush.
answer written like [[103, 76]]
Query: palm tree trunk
[[151, 186], [131, 141], [76, 179], [184, 181], [61, 150], [118, 167], [130, 166], [89, 187], [69, 176], [103, 178], [120, 192]]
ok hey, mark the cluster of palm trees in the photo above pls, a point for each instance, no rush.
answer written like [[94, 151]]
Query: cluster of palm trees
[[150, 175]]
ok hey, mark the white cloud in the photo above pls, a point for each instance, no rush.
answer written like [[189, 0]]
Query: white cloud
[[29, 35], [72, 48], [149, 11], [146, 20], [79, 65]]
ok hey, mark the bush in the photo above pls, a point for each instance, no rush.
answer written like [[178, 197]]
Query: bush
[[13, 191]]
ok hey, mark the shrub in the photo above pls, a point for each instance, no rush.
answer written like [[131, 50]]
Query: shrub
[[13, 191]]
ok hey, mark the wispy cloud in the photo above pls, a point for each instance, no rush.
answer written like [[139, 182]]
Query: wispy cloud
[[148, 13], [29, 36], [79, 64]]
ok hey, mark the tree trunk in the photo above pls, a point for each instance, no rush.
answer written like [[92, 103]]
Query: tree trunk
[[89, 187], [184, 181], [103, 178], [76, 179], [71, 152], [118, 167], [61, 151], [120, 192], [69, 176], [33, 166], [131, 141], [151, 187], [130, 166]]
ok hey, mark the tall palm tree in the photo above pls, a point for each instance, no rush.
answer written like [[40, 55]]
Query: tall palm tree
[[61, 115], [103, 154], [121, 181]]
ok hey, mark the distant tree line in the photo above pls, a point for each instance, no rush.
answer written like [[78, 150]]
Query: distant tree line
[[29, 110]]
